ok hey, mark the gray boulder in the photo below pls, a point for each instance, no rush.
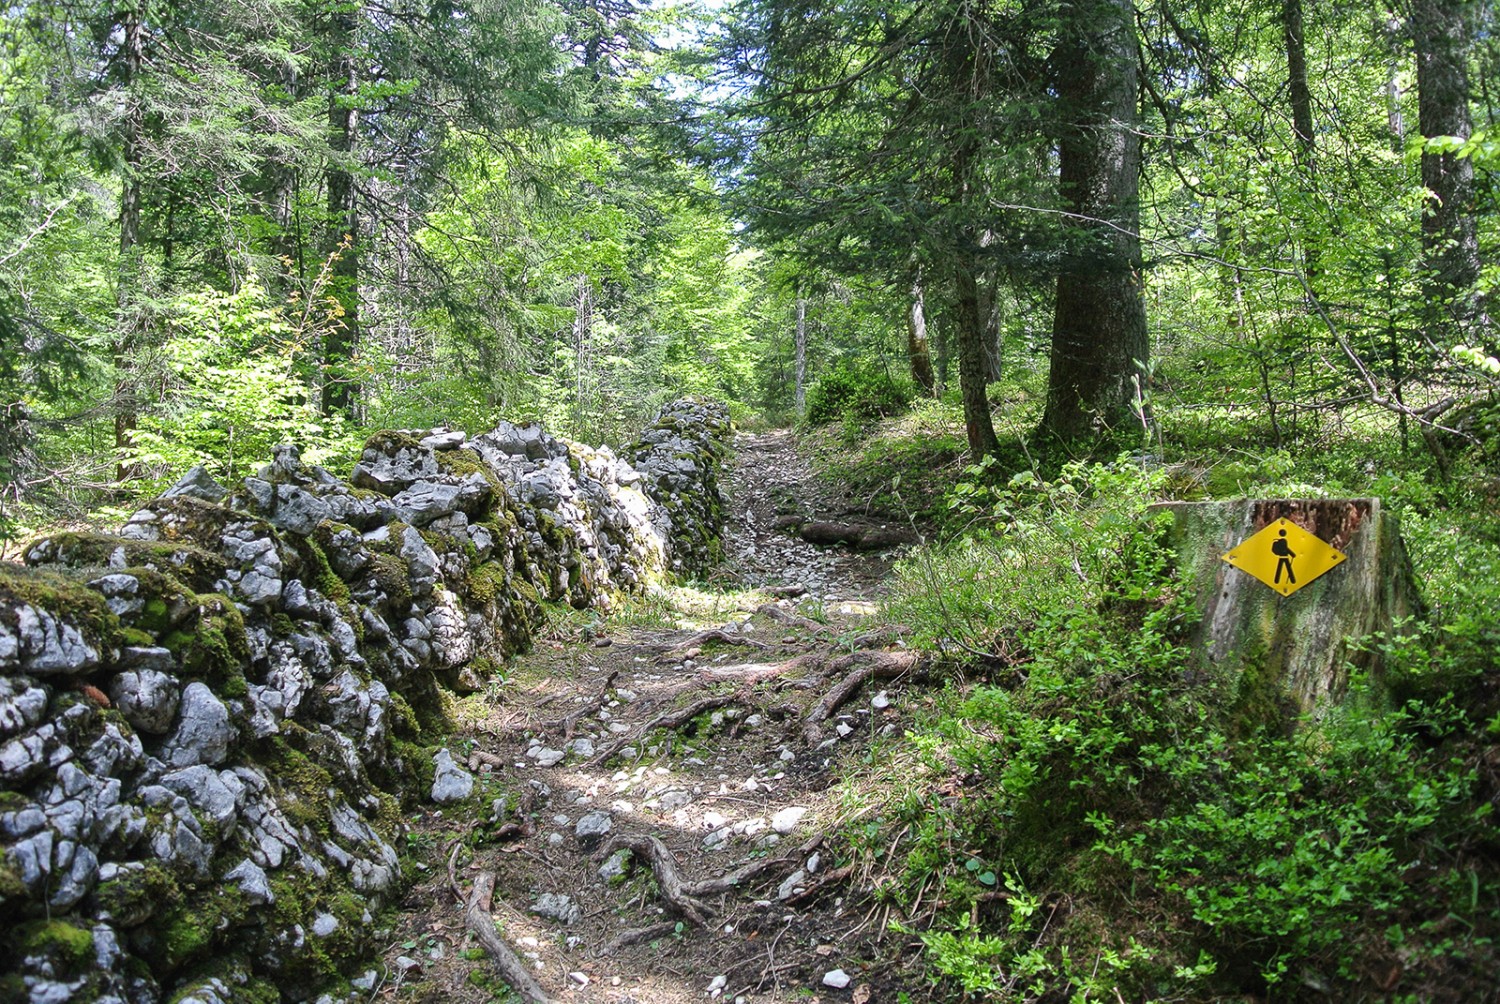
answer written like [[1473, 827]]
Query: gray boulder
[[204, 732], [148, 698], [451, 783]]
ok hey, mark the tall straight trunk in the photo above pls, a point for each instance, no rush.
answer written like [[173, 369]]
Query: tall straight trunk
[[918, 351], [989, 312], [340, 390], [1441, 35], [583, 325], [800, 336], [131, 263], [969, 326], [1299, 94], [1099, 343]]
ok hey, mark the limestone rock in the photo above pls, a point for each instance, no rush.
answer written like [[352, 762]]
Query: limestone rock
[[204, 732], [451, 782], [148, 698]]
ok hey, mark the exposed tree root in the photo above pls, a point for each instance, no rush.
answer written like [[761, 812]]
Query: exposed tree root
[[825, 880], [868, 666], [666, 720], [715, 634], [790, 619], [751, 673], [481, 924], [636, 935], [664, 867]]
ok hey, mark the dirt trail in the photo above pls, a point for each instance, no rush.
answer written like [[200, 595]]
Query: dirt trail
[[693, 753]]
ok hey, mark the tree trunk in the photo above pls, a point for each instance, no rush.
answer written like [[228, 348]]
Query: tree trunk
[[971, 363], [1441, 35], [583, 323], [801, 350], [917, 349], [989, 309], [1276, 655], [1099, 343], [1299, 94], [131, 263], [340, 390]]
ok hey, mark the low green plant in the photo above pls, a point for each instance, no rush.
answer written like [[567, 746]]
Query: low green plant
[[856, 392]]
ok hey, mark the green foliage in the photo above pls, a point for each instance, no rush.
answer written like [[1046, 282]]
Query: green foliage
[[234, 366], [1151, 840], [857, 391]]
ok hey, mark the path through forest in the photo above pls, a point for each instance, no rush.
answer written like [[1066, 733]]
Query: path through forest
[[665, 787]]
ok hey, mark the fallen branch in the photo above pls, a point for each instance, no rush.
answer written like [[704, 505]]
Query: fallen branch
[[481, 924], [666, 720], [664, 867], [869, 666]]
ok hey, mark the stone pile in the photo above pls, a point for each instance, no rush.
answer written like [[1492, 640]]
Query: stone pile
[[210, 721]]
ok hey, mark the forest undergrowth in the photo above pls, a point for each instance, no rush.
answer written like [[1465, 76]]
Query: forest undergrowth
[[1080, 819]]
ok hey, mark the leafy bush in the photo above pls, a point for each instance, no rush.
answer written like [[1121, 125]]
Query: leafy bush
[[235, 387], [858, 391]]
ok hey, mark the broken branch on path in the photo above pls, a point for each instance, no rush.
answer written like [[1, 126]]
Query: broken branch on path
[[869, 666], [664, 867], [481, 924], [666, 720]]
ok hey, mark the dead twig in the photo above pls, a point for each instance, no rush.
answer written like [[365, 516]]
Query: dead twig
[[481, 924]]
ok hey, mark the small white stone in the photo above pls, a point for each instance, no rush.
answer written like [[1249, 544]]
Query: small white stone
[[836, 978], [579, 978], [717, 984], [843, 730], [786, 820]]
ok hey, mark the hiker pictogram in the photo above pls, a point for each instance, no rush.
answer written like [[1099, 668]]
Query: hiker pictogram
[[1284, 556]]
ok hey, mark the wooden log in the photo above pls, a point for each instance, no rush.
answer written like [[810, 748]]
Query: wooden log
[[1300, 646]]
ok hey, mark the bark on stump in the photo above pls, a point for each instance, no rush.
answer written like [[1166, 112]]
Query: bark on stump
[[1258, 641]]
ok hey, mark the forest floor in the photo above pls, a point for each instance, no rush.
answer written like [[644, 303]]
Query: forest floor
[[712, 733]]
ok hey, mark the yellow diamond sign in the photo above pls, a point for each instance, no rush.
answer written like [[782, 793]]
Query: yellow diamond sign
[[1284, 556]]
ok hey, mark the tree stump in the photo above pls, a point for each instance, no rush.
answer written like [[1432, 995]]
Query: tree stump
[[1295, 650]]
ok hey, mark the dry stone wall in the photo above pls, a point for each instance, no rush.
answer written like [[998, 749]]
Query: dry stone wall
[[210, 721]]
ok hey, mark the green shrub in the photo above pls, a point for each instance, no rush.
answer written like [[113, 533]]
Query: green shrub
[[856, 391]]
